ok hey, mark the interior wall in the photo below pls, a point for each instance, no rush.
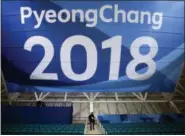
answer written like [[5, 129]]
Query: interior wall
[[81, 110]]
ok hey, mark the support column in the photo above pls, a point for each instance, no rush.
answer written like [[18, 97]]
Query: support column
[[91, 106], [65, 97], [91, 109]]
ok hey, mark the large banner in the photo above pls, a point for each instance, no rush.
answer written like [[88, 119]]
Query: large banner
[[96, 46]]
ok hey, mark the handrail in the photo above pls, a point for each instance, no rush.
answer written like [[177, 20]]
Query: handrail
[[102, 129], [100, 126], [86, 124]]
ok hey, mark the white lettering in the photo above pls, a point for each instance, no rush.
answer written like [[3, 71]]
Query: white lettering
[[23, 15], [102, 10], [148, 15], [38, 18], [75, 13], [51, 16], [67, 16], [117, 12], [157, 23], [92, 16], [131, 14]]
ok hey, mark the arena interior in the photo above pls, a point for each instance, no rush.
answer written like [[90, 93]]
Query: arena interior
[[107, 104], [29, 107]]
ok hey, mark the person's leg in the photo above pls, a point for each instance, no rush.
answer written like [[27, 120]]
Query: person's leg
[[93, 124], [90, 125]]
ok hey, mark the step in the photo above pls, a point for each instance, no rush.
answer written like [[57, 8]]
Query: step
[[96, 131]]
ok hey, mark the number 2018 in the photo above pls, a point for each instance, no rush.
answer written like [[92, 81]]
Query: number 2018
[[113, 43]]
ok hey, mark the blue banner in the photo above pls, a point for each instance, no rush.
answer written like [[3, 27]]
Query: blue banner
[[95, 46]]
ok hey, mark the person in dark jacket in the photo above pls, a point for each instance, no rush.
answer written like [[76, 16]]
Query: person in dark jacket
[[92, 121]]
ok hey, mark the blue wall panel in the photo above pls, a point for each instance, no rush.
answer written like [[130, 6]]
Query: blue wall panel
[[141, 118], [40, 115]]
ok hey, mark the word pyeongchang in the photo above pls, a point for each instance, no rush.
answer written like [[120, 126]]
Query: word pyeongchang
[[92, 16]]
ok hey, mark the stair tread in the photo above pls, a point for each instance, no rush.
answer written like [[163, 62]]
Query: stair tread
[[95, 131]]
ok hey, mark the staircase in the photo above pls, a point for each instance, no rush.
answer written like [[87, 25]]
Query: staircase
[[96, 130]]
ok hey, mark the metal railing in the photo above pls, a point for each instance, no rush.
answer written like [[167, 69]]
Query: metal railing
[[100, 127], [86, 126]]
